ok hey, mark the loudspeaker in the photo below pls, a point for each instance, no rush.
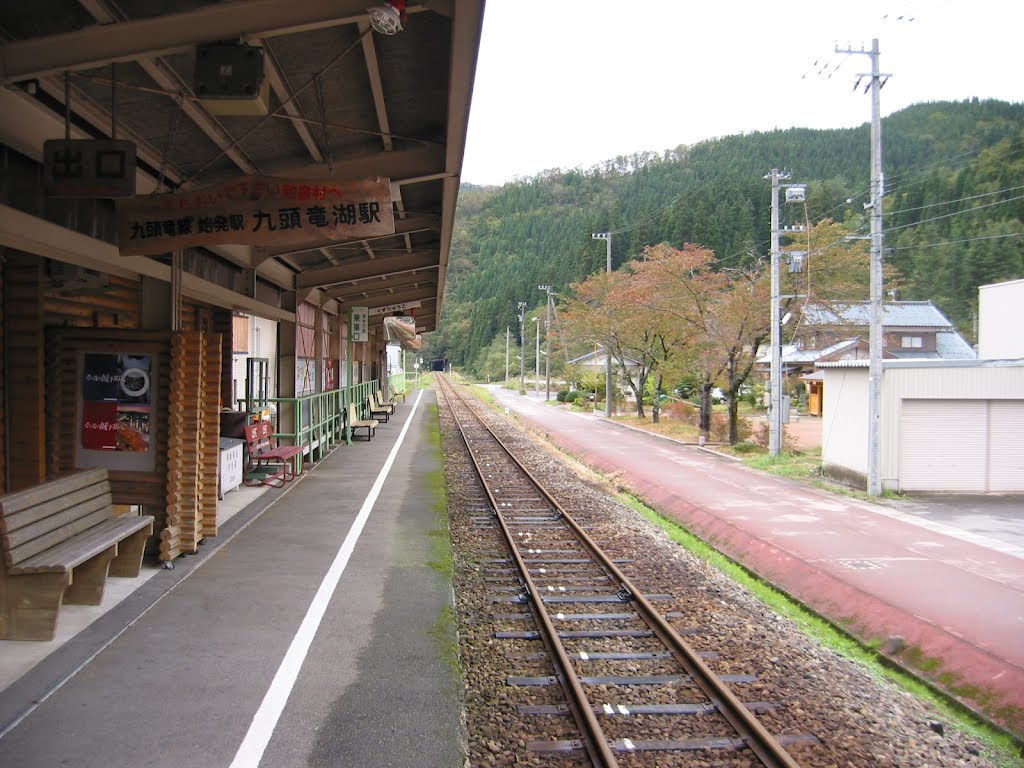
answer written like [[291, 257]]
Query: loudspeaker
[[229, 79]]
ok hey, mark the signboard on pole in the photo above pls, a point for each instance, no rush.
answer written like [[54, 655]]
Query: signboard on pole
[[358, 324], [256, 210]]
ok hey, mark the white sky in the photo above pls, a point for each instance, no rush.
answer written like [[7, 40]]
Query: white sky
[[571, 83]]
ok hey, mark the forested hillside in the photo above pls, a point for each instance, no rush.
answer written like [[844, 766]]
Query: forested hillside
[[954, 213]]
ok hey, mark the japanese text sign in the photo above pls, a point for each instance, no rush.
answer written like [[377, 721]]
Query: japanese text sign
[[256, 210], [359, 324]]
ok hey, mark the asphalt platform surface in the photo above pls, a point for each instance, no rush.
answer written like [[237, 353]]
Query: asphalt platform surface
[[944, 573], [314, 631]]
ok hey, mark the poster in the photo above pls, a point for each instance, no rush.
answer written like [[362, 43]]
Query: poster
[[117, 400]]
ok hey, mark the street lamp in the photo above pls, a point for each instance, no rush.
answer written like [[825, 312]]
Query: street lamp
[[547, 343], [607, 237]]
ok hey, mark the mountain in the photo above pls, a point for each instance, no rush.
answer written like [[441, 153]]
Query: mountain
[[954, 176]]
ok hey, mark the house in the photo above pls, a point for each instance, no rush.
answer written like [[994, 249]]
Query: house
[[947, 425], [596, 361], [911, 330]]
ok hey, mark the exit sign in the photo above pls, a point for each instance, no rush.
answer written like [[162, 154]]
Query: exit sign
[[89, 168]]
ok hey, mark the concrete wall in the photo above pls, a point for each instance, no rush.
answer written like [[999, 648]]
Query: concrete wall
[[1000, 319]]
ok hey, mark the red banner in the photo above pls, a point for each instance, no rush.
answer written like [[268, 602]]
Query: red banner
[[256, 210]]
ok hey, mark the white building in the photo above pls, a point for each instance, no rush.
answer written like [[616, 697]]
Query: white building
[[1001, 320]]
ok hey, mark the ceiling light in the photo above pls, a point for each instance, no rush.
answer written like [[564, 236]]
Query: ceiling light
[[388, 18]]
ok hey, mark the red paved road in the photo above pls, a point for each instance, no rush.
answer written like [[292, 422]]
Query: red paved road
[[858, 563]]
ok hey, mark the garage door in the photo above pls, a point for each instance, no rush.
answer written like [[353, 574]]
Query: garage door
[[1006, 452], [967, 446]]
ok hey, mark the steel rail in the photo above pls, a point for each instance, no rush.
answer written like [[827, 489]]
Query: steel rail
[[594, 740], [757, 738]]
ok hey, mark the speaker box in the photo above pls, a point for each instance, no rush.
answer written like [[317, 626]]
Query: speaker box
[[229, 79]]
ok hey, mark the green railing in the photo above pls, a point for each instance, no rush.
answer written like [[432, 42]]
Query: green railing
[[396, 381], [319, 419]]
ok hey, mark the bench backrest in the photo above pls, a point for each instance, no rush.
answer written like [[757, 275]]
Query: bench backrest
[[353, 416], [258, 437], [43, 516]]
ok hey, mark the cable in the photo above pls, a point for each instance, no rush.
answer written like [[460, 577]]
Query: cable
[[954, 213], [955, 242], [953, 202]]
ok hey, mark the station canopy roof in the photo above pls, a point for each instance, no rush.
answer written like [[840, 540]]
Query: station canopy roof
[[339, 102]]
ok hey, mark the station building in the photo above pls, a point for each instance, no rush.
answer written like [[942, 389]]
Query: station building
[[210, 216]]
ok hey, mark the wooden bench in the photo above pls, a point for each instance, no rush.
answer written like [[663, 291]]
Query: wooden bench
[[395, 394], [382, 403], [269, 464], [60, 540], [354, 422], [378, 411]]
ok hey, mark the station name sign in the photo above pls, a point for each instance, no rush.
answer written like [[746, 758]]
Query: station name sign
[[391, 308], [256, 210]]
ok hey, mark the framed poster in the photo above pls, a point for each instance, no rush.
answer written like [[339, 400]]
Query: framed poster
[[116, 409]]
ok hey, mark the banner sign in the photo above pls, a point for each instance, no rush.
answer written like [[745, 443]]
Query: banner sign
[[358, 324], [256, 210]]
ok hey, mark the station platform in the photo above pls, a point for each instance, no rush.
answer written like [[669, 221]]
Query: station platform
[[944, 574], [315, 630]]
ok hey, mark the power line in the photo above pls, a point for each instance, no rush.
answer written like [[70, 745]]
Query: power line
[[956, 242], [956, 213], [954, 202]]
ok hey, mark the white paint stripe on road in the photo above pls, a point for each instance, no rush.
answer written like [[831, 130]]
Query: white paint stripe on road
[[265, 720]]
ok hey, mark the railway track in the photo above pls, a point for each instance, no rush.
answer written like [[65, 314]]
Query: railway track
[[622, 683]]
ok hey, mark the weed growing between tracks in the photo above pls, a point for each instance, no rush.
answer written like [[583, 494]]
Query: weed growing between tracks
[[444, 630], [1006, 750]]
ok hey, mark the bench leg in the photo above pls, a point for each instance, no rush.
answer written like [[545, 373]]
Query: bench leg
[[128, 562], [89, 579], [30, 605]]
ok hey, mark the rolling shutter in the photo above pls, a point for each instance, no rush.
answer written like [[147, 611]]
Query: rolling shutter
[[943, 445], [1006, 446]]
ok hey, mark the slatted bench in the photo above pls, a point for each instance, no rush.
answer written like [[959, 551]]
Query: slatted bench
[[354, 422], [60, 540], [379, 400], [378, 411], [270, 464]]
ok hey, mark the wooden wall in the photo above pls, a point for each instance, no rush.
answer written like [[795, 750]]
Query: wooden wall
[[63, 392], [23, 340]]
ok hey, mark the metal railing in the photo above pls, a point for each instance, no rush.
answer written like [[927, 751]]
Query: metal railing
[[319, 419]]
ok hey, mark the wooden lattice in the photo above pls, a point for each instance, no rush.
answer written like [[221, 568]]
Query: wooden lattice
[[211, 433], [184, 528]]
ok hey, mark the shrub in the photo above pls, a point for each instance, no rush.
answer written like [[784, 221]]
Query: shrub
[[571, 396], [560, 397], [746, 447]]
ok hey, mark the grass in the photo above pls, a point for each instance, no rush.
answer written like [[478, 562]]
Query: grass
[[1007, 752]]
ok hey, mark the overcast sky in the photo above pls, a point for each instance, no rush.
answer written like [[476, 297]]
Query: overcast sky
[[571, 83]]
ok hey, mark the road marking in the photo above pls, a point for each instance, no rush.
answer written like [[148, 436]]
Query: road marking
[[265, 720]]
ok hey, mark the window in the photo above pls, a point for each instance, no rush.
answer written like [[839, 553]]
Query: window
[[911, 342]]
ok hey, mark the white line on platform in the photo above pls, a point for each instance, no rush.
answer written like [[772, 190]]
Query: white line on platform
[[265, 720]]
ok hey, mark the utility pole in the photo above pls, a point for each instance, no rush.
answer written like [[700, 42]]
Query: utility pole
[[522, 347], [508, 331], [536, 361], [547, 343], [795, 193], [775, 380], [876, 339], [607, 237]]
